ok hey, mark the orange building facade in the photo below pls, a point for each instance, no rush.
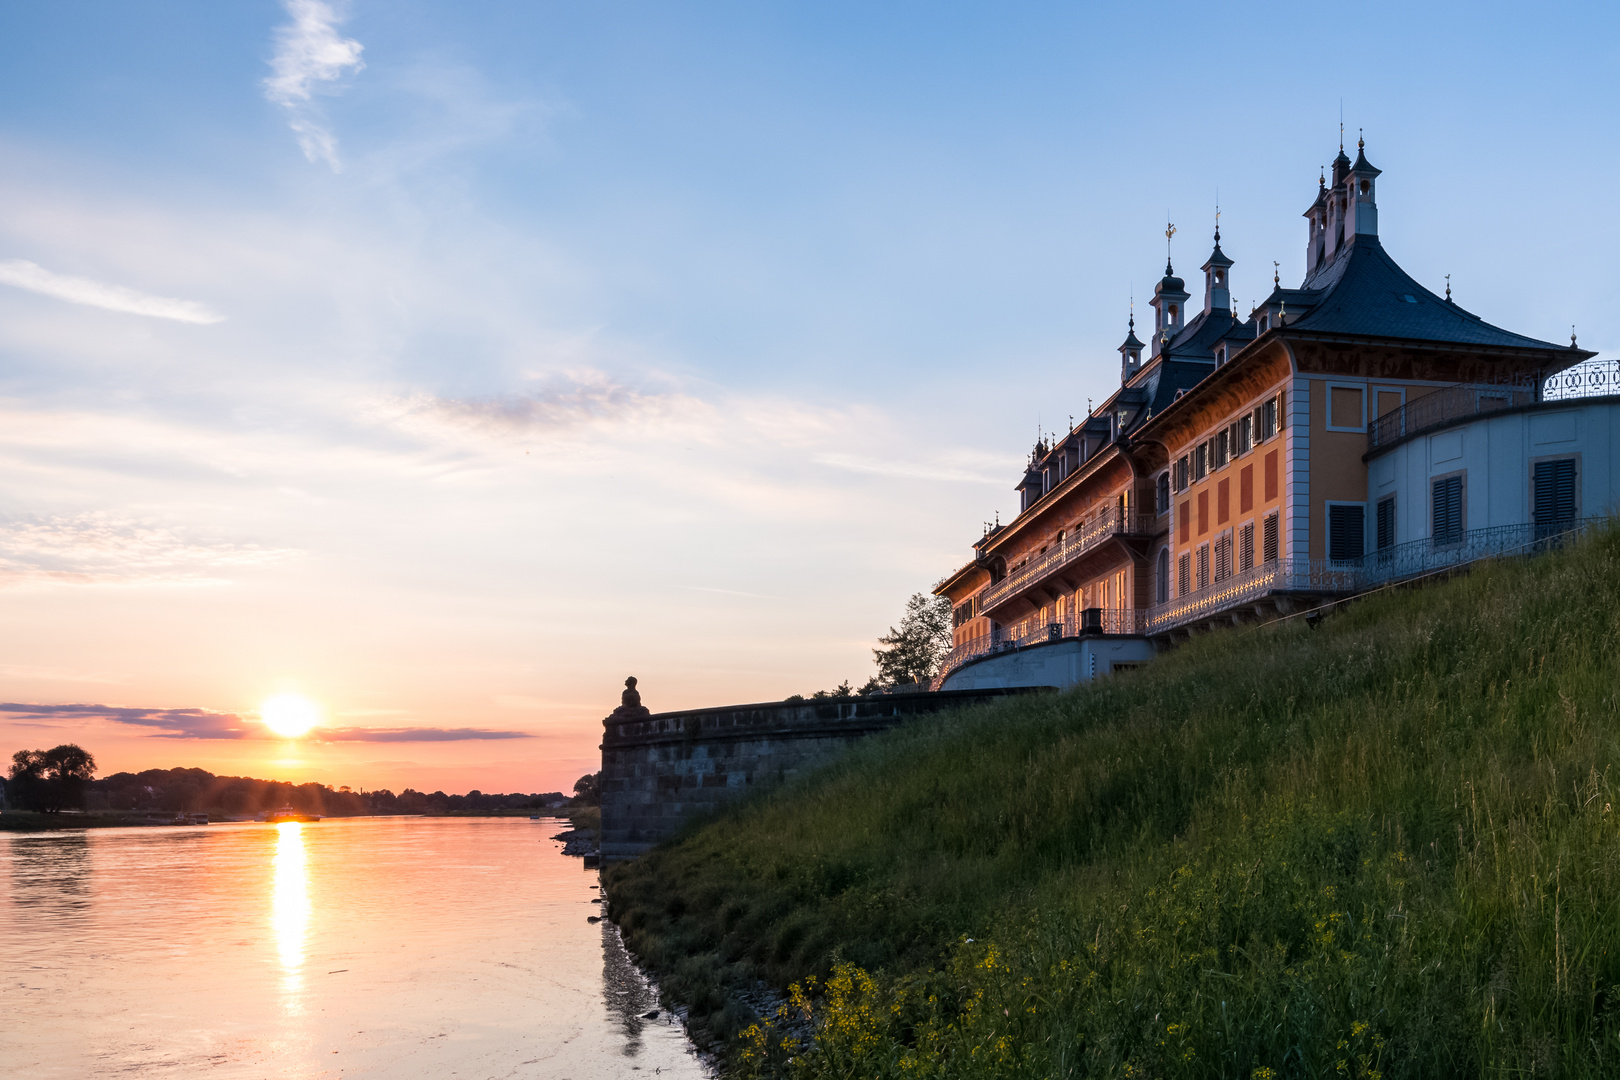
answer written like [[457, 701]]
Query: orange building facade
[[1227, 478]]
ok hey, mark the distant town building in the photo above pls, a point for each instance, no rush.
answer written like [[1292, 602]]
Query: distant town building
[[1357, 430]]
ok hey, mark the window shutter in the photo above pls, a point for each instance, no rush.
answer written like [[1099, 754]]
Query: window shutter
[[1448, 518], [1386, 523], [1555, 496], [1269, 538], [1347, 538]]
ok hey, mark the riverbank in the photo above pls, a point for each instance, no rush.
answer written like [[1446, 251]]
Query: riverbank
[[29, 821], [1383, 846]]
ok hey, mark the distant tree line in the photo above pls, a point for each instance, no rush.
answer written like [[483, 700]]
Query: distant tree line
[[50, 780], [63, 779]]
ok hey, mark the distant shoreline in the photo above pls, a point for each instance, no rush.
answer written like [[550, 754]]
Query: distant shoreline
[[28, 821]]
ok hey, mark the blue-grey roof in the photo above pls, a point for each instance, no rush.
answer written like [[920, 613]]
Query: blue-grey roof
[[1362, 291]]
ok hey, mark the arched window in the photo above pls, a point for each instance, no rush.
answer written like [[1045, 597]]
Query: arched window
[[1161, 577]]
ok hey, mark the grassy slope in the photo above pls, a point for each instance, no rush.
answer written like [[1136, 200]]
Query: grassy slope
[[1387, 844]]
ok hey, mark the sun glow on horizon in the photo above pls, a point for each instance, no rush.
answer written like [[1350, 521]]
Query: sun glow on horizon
[[289, 715]]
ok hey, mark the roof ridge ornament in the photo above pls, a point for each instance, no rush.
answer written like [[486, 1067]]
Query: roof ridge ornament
[[1169, 231], [1276, 273], [1448, 288], [1572, 337]]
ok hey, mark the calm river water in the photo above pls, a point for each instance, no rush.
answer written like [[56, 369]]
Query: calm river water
[[386, 947]]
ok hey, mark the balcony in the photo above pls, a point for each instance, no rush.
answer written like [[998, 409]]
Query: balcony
[[1032, 632], [1302, 577], [1588, 379], [1087, 538], [1320, 577], [1443, 406]]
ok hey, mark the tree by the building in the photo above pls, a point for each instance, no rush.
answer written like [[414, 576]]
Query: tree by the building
[[913, 652]]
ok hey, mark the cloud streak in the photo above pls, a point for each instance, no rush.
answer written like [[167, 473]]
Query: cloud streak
[[99, 549], [212, 724], [22, 274], [309, 53]]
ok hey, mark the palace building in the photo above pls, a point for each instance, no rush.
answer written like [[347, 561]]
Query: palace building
[[1354, 431]]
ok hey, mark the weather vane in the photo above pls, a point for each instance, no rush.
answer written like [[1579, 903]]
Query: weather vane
[[1169, 231], [1276, 273], [1448, 286]]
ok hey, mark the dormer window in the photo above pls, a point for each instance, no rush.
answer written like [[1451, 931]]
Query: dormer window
[[1265, 323], [1220, 355]]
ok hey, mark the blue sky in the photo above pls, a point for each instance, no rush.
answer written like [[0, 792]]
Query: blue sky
[[445, 362]]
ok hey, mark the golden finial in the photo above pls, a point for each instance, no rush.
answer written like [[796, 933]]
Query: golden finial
[[1361, 143]]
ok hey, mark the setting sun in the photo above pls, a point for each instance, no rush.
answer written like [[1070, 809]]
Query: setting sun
[[289, 715]]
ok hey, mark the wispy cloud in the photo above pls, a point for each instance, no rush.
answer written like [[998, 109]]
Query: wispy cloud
[[77, 290], [415, 734], [100, 549], [171, 723], [211, 724], [310, 52], [568, 401]]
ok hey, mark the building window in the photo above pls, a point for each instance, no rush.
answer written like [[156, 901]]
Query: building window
[[1184, 575], [1344, 408], [1223, 557], [1447, 501], [1386, 523], [1269, 541], [1161, 575], [1182, 469], [1203, 566], [1555, 500], [1201, 461], [1246, 547], [1223, 447], [1347, 531], [1245, 434], [1164, 493], [1266, 420]]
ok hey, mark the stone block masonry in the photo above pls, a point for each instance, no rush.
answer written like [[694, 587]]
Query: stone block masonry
[[660, 769]]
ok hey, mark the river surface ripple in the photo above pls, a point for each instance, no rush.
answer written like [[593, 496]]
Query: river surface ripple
[[387, 947]]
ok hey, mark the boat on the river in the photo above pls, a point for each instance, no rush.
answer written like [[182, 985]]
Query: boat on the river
[[287, 813]]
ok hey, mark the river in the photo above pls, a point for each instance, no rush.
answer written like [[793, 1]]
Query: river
[[386, 947]]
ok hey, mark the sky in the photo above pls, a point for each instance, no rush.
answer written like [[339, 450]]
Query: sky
[[445, 363]]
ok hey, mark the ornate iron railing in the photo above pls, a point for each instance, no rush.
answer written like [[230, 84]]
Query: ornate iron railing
[[1317, 577], [1032, 631], [1085, 538], [1278, 575], [1445, 405], [1590, 378]]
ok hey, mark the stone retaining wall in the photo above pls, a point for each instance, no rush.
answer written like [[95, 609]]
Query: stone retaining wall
[[659, 771]]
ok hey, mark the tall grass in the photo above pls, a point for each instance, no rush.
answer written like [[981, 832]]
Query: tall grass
[[1387, 846]]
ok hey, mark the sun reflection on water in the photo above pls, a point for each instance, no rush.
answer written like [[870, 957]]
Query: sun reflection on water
[[290, 909]]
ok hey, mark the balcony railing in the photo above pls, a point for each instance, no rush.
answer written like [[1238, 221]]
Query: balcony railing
[[1445, 405], [1590, 378], [1318, 577], [1278, 575], [1034, 632], [1086, 538]]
